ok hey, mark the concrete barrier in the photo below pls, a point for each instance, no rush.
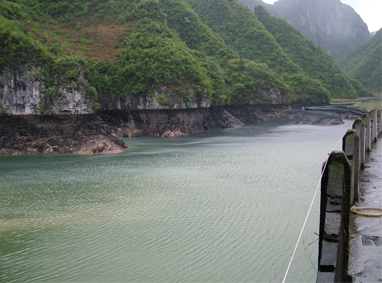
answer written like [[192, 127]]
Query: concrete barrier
[[333, 252], [339, 191]]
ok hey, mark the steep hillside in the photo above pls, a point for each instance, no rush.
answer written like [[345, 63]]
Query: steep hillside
[[252, 83], [144, 60], [334, 26], [261, 38], [194, 32], [312, 60], [243, 32], [78, 56], [365, 63]]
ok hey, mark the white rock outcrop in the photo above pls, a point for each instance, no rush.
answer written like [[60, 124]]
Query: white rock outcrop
[[23, 92]]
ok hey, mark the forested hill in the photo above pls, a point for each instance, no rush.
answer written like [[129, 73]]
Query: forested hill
[[317, 64], [364, 63], [73, 56], [266, 39], [333, 25]]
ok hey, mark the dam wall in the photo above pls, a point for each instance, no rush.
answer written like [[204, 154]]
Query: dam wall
[[339, 192]]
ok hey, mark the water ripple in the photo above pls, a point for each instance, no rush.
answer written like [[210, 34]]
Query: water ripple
[[222, 206]]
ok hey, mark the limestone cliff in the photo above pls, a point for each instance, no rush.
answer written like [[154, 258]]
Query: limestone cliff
[[23, 92], [162, 98]]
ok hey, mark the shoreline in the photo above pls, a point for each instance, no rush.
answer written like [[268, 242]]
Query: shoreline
[[103, 133], [57, 134]]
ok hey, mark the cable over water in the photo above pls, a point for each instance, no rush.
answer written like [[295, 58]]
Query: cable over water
[[307, 215]]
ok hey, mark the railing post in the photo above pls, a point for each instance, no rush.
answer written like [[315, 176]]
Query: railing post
[[366, 119], [333, 251], [374, 125], [351, 147], [359, 126]]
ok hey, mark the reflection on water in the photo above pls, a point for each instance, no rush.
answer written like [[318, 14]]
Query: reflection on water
[[225, 205]]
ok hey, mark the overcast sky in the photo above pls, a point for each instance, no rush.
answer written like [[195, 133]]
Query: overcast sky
[[369, 10]]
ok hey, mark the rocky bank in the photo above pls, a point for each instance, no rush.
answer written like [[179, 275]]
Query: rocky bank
[[104, 132], [58, 134]]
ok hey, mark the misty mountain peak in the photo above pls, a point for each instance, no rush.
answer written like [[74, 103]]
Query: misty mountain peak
[[335, 26], [325, 17]]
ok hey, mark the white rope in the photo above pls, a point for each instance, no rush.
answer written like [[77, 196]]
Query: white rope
[[307, 215]]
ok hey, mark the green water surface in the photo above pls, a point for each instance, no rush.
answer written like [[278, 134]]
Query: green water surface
[[226, 205]]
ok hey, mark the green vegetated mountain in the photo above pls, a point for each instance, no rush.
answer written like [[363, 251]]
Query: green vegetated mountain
[[334, 26], [365, 63], [315, 63], [272, 41], [154, 54]]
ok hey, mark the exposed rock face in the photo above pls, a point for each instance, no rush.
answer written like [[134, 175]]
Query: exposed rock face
[[88, 134], [325, 17], [23, 92], [168, 122], [183, 122], [335, 26], [163, 98], [274, 96], [58, 134]]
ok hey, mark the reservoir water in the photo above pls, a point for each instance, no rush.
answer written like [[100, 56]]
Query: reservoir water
[[224, 206]]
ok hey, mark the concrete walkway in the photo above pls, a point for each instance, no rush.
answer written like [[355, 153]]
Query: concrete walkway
[[365, 261]]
